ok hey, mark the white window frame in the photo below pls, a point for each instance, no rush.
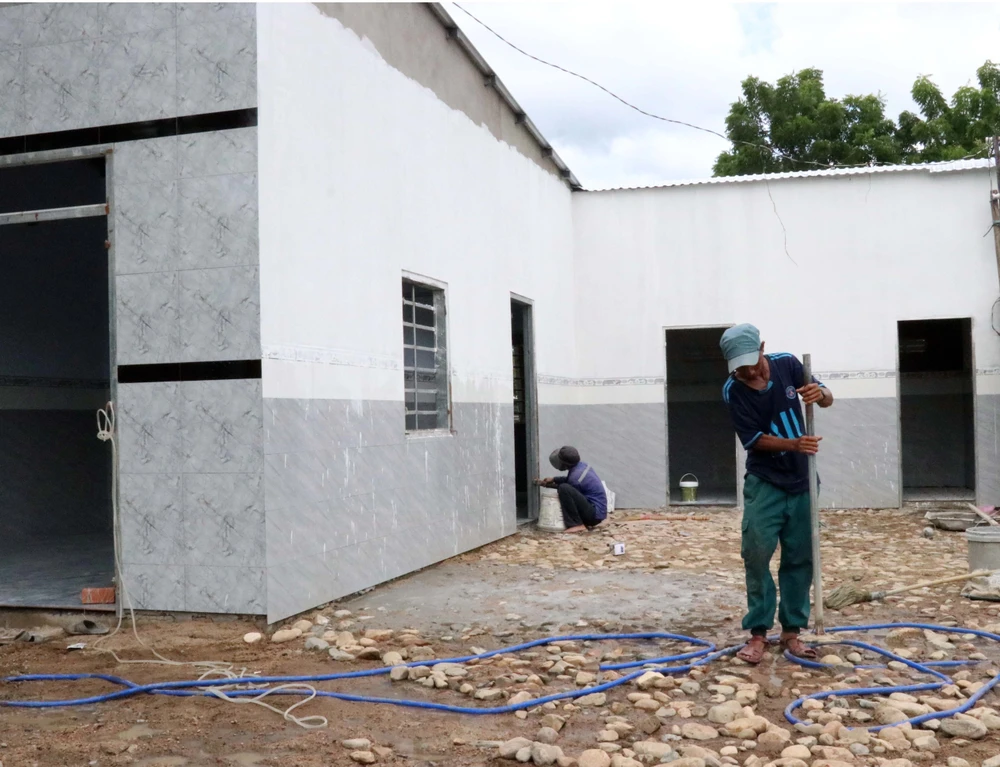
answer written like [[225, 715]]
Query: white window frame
[[442, 367]]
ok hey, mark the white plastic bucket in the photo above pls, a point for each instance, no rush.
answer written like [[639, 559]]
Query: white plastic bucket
[[984, 548], [550, 516], [689, 488]]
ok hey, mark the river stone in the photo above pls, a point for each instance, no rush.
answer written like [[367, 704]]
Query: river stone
[[488, 694], [356, 744], [399, 673], [547, 735], [253, 637], [594, 758], [553, 721], [594, 699], [303, 626], [544, 754], [964, 727], [796, 752], [363, 757], [689, 761], [652, 748], [509, 749], [316, 644], [650, 724], [647, 680], [957, 761], [285, 635], [725, 713], [694, 731], [889, 715], [340, 655]]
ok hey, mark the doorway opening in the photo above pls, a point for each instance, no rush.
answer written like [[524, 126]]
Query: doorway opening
[[525, 411], [936, 410], [56, 527], [700, 437]]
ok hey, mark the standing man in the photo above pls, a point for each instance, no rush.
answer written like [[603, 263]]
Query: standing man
[[762, 393]]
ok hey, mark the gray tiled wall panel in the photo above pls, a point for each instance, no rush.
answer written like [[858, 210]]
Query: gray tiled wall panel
[[192, 495], [65, 66], [186, 248], [988, 450], [626, 445], [351, 501]]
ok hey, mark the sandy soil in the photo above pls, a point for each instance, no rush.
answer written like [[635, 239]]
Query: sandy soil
[[677, 576]]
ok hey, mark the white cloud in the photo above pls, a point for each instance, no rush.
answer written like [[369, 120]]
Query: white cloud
[[686, 61]]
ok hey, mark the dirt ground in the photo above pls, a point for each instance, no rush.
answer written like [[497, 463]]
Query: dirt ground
[[681, 576]]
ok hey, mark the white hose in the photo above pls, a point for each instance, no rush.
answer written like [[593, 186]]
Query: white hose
[[242, 678]]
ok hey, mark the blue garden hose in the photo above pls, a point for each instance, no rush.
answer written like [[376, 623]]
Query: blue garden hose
[[924, 668], [707, 654]]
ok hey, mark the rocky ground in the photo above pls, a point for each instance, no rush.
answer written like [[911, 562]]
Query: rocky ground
[[679, 575]]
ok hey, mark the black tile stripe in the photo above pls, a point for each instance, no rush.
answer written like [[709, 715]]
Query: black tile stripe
[[189, 371], [115, 134]]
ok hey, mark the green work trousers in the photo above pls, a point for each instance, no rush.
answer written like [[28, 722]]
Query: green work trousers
[[770, 516]]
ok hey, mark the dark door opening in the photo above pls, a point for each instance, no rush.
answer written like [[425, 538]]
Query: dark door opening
[[56, 528], [700, 438], [936, 410], [525, 411]]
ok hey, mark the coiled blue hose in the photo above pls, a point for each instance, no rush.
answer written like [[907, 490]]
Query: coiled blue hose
[[708, 653]]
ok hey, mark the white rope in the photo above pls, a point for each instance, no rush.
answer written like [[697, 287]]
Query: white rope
[[243, 677]]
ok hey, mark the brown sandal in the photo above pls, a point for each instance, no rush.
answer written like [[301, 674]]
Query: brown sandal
[[753, 652], [795, 646]]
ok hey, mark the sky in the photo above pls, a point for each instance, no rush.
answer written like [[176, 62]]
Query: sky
[[686, 61]]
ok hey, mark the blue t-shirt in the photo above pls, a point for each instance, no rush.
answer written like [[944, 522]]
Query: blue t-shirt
[[585, 479], [776, 411]]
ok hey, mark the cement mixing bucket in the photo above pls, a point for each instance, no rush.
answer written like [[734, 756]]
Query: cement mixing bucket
[[984, 548], [689, 488], [550, 516]]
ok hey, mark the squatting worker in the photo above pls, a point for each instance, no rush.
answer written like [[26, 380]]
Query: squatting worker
[[762, 393], [582, 498]]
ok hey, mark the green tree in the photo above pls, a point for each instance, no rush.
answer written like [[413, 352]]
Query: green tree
[[948, 131], [794, 125]]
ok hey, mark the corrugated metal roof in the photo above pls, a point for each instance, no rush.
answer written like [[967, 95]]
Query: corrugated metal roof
[[947, 166]]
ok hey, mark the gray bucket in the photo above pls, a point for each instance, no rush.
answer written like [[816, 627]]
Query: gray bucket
[[984, 548]]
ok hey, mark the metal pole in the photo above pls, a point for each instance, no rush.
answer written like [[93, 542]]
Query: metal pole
[[814, 507], [995, 202]]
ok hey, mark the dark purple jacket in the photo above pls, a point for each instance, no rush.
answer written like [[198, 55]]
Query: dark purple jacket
[[585, 479]]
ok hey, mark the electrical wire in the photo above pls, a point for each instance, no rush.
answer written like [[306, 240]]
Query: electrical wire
[[773, 151]]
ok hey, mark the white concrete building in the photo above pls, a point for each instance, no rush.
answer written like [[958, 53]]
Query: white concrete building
[[329, 226]]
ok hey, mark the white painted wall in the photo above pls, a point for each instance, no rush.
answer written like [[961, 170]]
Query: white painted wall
[[364, 173], [869, 250]]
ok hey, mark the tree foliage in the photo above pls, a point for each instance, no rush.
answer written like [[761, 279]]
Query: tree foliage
[[793, 125]]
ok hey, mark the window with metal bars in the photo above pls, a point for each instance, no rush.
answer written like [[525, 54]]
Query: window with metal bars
[[425, 359]]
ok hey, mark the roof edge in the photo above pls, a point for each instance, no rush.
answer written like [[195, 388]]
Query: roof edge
[[944, 166], [492, 79]]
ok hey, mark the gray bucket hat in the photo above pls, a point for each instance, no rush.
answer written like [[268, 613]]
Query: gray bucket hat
[[565, 458]]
